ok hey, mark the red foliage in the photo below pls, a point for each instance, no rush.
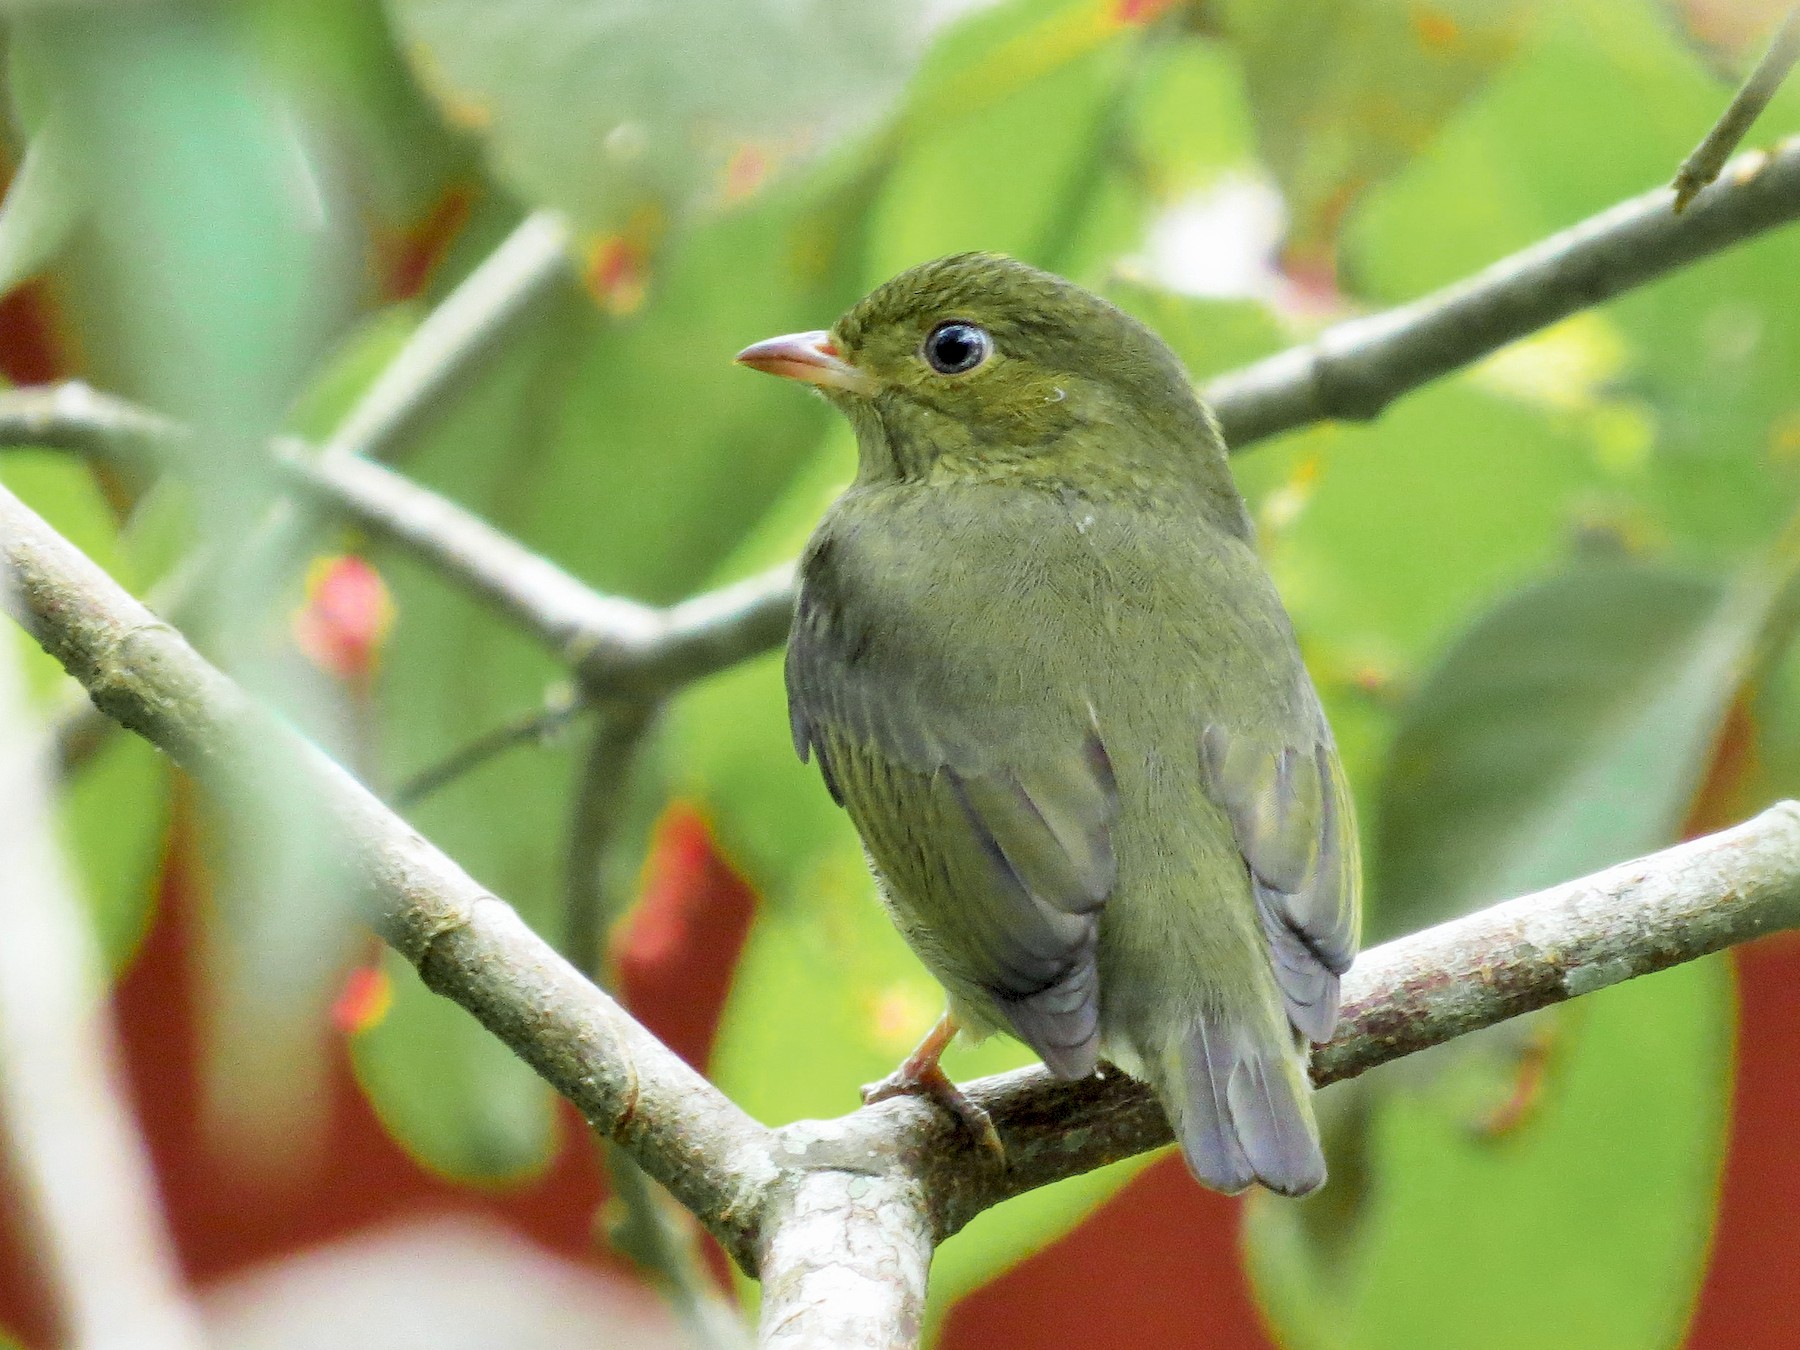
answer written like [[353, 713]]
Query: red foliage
[[676, 953], [345, 618], [32, 350], [1157, 1264], [408, 259], [1750, 1299]]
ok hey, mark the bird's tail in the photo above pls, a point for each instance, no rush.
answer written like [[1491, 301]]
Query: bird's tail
[[1242, 1107]]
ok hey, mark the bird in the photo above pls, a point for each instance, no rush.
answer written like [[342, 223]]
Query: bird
[[1037, 659]]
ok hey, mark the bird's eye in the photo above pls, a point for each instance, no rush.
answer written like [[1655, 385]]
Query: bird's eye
[[956, 347]]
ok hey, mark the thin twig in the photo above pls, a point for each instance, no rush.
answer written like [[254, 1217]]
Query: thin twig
[[1703, 165], [84, 1173], [455, 337], [603, 779], [535, 727], [815, 1202], [660, 1237]]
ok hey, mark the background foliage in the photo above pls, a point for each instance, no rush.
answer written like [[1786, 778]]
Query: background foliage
[[1547, 601]]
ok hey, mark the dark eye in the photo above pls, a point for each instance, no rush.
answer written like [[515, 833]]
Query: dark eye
[[956, 347]]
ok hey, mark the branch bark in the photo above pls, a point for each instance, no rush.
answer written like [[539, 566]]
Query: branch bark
[[465, 943], [823, 1209]]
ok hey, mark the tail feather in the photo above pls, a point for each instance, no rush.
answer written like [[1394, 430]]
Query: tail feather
[[1245, 1110]]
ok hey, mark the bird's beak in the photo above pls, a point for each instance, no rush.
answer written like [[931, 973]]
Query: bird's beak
[[812, 357]]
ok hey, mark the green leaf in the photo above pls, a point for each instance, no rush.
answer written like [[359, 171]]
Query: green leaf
[[1599, 107], [1345, 92], [43, 202], [1592, 1218], [630, 121], [1568, 729], [114, 812]]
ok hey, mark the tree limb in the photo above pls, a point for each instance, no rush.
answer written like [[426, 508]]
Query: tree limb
[[809, 1204], [1354, 370], [465, 943]]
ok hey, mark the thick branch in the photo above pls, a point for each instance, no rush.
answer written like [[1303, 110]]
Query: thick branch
[[846, 1265], [1419, 991], [467, 945], [1356, 369]]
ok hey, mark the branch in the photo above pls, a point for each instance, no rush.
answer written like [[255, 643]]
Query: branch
[[846, 1265], [1402, 997], [465, 943], [541, 726], [456, 336], [1356, 369], [822, 1208], [1703, 165]]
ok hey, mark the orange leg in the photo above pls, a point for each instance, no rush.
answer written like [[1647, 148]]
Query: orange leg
[[920, 1075]]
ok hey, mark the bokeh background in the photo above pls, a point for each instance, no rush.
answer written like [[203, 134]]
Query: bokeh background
[[1548, 602]]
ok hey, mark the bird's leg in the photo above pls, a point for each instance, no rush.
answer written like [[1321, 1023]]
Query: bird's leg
[[920, 1075]]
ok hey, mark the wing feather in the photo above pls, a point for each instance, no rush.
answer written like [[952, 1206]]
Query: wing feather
[[978, 829], [1290, 812]]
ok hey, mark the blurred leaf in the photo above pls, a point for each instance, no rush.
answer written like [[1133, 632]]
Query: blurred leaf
[[1344, 92], [340, 63], [1569, 729], [113, 814], [1588, 1226], [1010, 145], [116, 815], [1600, 105], [42, 204], [1729, 34], [205, 282], [632, 117]]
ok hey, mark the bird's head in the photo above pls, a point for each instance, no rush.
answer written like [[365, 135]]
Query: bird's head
[[978, 366]]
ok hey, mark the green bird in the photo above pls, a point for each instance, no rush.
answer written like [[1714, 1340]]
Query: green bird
[[1039, 663]]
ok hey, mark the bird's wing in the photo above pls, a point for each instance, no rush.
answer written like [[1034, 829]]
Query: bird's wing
[[980, 830], [1290, 811]]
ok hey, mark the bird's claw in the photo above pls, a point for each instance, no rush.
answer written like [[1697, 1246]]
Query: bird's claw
[[933, 1083]]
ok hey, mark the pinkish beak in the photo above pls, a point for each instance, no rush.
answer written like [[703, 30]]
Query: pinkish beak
[[811, 357]]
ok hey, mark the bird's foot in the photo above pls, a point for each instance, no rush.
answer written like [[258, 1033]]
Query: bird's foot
[[915, 1079]]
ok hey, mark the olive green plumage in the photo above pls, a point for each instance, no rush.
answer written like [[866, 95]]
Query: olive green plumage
[[1040, 665]]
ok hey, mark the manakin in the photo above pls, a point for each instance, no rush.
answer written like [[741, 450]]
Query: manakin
[[1039, 663]]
